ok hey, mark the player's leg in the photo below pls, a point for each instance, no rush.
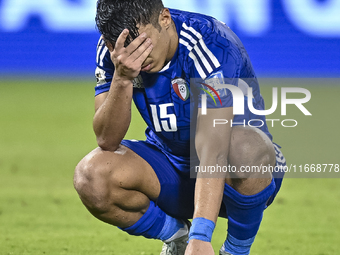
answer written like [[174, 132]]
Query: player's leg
[[250, 147], [119, 188], [246, 193]]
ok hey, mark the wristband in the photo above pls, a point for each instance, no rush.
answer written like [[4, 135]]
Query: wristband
[[201, 229]]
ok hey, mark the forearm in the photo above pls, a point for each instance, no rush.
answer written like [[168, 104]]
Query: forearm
[[112, 118], [212, 150], [209, 191], [208, 198]]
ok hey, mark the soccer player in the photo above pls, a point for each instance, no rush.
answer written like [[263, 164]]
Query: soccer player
[[170, 61]]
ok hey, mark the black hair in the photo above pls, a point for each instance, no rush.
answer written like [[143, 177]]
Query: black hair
[[113, 16]]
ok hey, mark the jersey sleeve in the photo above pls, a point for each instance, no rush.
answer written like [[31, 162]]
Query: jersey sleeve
[[104, 70], [216, 61]]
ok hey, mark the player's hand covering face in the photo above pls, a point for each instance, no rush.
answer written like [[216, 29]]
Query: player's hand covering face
[[149, 52], [128, 60], [164, 41]]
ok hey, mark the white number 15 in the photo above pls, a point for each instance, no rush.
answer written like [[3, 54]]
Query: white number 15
[[163, 115]]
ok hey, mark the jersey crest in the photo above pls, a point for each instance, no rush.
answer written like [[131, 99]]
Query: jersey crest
[[181, 88]]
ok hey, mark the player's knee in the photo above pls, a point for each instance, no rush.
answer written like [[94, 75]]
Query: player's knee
[[250, 148], [91, 181]]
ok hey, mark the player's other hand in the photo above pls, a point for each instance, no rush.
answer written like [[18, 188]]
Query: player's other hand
[[197, 247], [128, 60]]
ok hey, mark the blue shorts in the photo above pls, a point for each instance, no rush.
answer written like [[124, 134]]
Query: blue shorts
[[177, 188]]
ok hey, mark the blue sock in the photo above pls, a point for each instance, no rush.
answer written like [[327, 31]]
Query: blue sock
[[171, 227], [155, 224], [244, 218], [237, 247]]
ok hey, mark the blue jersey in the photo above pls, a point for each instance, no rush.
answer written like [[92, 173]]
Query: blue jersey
[[208, 53]]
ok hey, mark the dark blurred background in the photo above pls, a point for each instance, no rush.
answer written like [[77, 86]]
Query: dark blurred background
[[285, 38]]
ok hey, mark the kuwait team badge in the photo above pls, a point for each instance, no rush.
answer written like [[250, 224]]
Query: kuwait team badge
[[181, 88]]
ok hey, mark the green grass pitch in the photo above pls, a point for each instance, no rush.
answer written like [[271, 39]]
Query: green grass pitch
[[46, 128]]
